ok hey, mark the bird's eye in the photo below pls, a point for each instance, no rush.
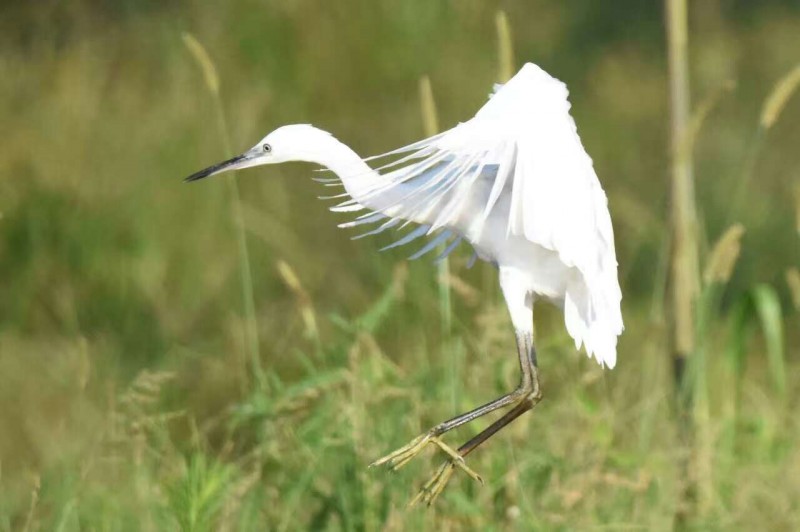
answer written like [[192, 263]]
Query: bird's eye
[[267, 148]]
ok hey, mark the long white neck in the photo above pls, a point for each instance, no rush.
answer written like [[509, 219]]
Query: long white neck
[[356, 175], [361, 182]]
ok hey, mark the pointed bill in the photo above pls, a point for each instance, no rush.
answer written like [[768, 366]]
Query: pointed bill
[[235, 163]]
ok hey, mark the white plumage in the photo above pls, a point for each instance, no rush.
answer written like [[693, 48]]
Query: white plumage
[[515, 182]]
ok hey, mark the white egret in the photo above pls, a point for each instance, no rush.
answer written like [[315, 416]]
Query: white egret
[[516, 184]]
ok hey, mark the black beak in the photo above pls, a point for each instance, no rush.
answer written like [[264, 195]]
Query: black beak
[[217, 168]]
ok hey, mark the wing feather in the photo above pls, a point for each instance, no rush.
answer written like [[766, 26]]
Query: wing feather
[[432, 243], [412, 235], [449, 249], [503, 170], [524, 141]]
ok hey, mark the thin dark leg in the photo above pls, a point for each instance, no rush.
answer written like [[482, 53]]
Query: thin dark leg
[[527, 362], [526, 404], [527, 365], [436, 484]]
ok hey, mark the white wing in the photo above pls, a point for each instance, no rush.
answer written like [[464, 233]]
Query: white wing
[[523, 140]]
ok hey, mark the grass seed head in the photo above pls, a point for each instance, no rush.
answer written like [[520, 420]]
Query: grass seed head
[[203, 60], [723, 256], [779, 97]]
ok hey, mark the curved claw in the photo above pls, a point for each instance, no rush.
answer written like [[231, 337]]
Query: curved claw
[[434, 487], [431, 490]]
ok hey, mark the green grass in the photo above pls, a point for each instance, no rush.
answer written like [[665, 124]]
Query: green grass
[[129, 395]]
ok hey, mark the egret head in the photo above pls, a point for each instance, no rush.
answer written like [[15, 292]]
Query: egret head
[[297, 142]]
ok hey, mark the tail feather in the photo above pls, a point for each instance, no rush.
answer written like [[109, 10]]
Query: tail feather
[[592, 317]]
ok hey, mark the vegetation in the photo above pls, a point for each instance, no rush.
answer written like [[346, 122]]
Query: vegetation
[[222, 357]]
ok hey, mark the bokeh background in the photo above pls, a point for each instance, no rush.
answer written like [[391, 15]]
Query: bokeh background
[[132, 394]]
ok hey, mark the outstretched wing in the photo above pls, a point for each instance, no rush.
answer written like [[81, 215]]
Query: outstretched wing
[[523, 141]]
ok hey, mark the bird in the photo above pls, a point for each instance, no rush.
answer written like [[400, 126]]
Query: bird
[[515, 184]]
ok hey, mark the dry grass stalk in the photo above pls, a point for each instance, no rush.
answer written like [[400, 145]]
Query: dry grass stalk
[[723, 256], [84, 364], [505, 47], [685, 278], [399, 278], [793, 281], [468, 293], [37, 485], [204, 61], [430, 120], [700, 115], [430, 124], [797, 207], [233, 502], [292, 281], [137, 413], [779, 97], [202, 58]]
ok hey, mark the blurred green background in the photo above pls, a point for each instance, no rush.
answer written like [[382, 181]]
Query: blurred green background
[[130, 397]]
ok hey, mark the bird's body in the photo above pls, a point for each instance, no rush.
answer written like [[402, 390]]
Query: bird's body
[[515, 183], [542, 270]]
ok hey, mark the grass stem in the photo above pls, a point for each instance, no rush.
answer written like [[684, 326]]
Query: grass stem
[[684, 262], [211, 78]]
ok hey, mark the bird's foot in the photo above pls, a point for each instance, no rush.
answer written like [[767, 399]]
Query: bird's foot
[[405, 454], [431, 490]]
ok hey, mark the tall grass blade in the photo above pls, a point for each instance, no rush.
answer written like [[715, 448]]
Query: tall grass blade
[[719, 267], [205, 63], [771, 110], [797, 207], [793, 282], [430, 119], [708, 104], [292, 281], [684, 278], [375, 316], [430, 124], [196, 499], [29, 517], [740, 326], [768, 309], [505, 47]]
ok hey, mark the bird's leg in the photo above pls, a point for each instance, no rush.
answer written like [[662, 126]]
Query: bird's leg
[[431, 490], [405, 454]]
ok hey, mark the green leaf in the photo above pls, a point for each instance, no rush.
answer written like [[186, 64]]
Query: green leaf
[[768, 308]]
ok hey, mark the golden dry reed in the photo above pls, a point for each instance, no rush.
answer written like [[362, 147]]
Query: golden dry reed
[[793, 281], [430, 126], [685, 278], [292, 282], [204, 61], [723, 256], [250, 326], [699, 117], [779, 97], [797, 207], [505, 47], [685, 275], [430, 119]]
